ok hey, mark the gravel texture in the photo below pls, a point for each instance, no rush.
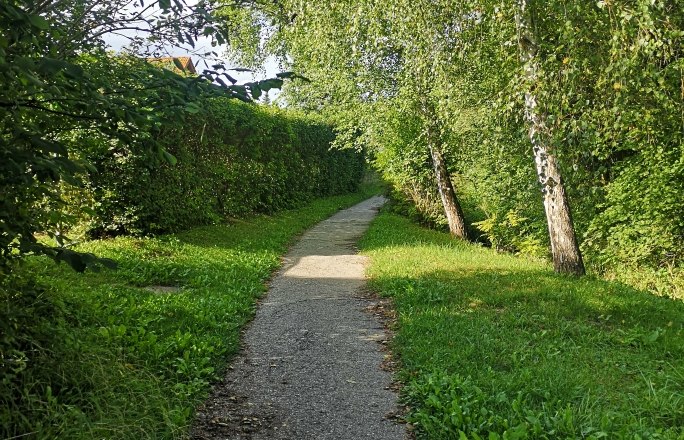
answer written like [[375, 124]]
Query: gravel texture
[[311, 363]]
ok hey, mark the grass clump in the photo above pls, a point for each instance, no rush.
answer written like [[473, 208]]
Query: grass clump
[[497, 346], [103, 355]]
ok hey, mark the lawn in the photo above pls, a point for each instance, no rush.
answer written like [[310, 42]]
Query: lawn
[[497, 346], [129, 353]]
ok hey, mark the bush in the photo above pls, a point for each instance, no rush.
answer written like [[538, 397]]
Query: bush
[[233, 159]]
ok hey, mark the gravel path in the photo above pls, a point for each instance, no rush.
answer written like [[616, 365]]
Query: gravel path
[[310, 368]]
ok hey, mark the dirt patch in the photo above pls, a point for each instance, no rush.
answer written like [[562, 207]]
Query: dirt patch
[[163, 289], [230, 415], [384, 310]]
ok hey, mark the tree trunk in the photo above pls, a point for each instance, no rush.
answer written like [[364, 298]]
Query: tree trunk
[[452, 208], [567, 257]]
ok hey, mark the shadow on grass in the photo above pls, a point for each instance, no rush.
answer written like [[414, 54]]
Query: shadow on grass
[[537, 291], [515, 331]]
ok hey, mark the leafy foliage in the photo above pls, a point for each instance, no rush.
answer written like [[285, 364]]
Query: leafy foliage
[[609, 84], [63, 91], [234, 159]]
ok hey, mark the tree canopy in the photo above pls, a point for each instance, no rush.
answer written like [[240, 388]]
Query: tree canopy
[[508, 89]]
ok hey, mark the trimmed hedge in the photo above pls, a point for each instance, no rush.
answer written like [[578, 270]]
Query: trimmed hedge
[[234, 159]]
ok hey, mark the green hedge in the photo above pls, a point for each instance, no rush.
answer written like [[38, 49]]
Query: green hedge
[[233, 159]]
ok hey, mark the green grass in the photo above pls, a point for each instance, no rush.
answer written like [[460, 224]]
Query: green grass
[[497, 346], [95, 355]]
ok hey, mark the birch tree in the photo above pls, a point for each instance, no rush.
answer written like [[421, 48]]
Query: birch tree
[[564, 248], [357, 54]]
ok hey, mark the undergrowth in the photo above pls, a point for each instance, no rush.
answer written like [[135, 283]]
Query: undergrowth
[[109, 355], [494, 346]]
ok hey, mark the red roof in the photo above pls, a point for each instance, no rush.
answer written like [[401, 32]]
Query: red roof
[[185, 62]]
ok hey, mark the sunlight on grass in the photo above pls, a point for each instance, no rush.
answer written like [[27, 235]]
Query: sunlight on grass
[[111, 358], [494, 345]]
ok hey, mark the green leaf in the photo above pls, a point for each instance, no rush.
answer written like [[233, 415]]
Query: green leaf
[[39, 22], [286, 75], [292, 75], [169, 158], [254, 90], [272, 83], [51, 66], [48, 146], [192, 107]]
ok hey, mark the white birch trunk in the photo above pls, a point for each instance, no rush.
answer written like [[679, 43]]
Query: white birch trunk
[[452, 208], [564, 248]]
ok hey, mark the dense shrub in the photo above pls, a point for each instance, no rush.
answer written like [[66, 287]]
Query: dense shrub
[[233, 159]]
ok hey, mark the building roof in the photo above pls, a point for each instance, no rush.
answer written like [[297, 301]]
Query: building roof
[[173, 62]]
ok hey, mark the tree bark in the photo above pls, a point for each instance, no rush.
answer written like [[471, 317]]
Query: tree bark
[[452, 208], [565, 251]]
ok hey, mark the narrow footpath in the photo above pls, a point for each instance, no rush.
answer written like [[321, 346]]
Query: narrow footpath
[[311, 363]]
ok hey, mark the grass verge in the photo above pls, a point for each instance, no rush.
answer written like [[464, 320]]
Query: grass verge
[[128, 354], [494, 346]]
